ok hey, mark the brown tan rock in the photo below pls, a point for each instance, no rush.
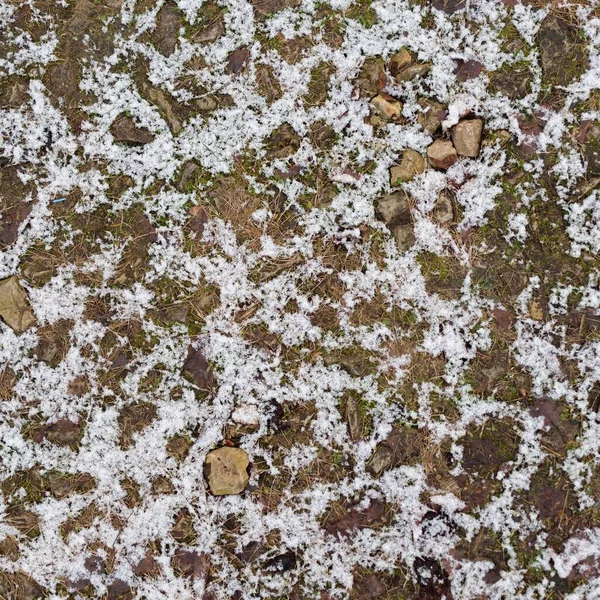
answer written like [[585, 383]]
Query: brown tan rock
[[411, 165], [466, 137], [442, 154], [125, 130], [14, 307], [443, 213], [400, 60], [387, 106], [404, 235], [413, 71], [227, 470], [431, 116]]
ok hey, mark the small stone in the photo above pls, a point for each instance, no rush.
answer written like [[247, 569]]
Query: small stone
[[430, 119], [371, 78], [405, 236], [466, 137], [210, 33], [125, 130], [246, 414], [14, 306], [382, 459], [187, 175], [467, 69], [227, 470], [162, 485], [387, 106], [443, 213], [238, 60], [448, 6], [393, 209], [206, 103], [442, 154], [353, 419], [411, 165], [536, 311], [413, 71], [400, 61], [168, 23], [160, 99]]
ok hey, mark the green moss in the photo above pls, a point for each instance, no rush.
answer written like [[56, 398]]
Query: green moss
[[363, 12]]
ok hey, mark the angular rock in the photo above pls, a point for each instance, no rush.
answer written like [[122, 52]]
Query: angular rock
[[387, 107], [191, 564], [371, 79], [411, 165], [442, 154], [162, 485], [187, 174], [160, 99], [63, 484], [382, 459], [449, 6], [118, 589], [353, 419], [125, 130], [169, 22], [562, 51], [246, 414], [210, 33], [412, 71], [443, 213], [238, 60], [393, 209], [14, 306], [147, 567], [466, 137], [467, 69], [226, 470], [196, 366], [404, 235], [400, 61], [430, 119], [206, 103]]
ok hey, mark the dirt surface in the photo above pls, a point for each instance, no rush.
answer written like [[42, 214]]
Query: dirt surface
[[353, 246]]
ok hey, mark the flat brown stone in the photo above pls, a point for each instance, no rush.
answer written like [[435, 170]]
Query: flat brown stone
[[442, 154], [466, 137], [227, 470], [14, 307]]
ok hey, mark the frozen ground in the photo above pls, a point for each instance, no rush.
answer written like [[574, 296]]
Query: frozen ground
[[199, 251]]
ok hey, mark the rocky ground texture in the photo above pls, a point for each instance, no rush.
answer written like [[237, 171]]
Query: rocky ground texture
[[300, 299]]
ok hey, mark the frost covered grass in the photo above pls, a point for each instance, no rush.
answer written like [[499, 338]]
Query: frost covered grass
[[202, 248]]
